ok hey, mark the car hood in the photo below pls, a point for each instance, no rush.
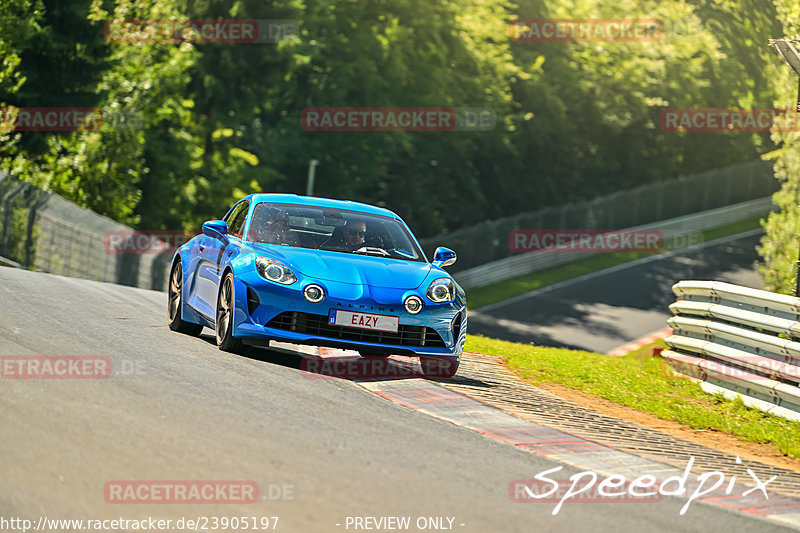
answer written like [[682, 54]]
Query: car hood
[[352, 268]]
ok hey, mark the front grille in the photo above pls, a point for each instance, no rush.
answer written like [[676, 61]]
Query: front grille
[[318, 325]]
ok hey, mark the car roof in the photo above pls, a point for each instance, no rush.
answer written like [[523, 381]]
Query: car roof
[[319, 202]]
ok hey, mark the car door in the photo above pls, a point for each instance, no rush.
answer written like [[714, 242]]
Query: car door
[[212, 254]]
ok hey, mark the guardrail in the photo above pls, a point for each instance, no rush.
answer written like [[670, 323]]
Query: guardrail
[[530, 262], [646, 204], [738, 341]]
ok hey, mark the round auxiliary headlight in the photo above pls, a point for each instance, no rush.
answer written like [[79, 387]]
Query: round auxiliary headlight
[[413, 304], [314, 293]]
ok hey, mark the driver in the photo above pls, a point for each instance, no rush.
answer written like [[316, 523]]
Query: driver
[[354, 233]]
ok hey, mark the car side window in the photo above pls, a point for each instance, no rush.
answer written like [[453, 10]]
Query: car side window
[[237, 218], [232, 213]]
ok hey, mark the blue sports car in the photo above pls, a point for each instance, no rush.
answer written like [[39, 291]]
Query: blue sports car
[[317, 271]]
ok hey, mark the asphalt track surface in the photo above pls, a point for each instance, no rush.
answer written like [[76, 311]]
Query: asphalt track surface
[[191, 412], [607, 309]]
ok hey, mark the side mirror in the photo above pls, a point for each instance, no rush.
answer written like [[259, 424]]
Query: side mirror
[[443, 257], [217, 229]]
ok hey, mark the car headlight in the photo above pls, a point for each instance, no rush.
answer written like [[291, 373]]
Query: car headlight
[[441, 290], [275, 271]]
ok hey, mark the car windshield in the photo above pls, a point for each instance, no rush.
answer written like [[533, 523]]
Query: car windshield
[[338, 230]]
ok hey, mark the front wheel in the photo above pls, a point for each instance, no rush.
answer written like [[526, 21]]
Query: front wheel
[[224, 326], [175, 292], [439, 368]]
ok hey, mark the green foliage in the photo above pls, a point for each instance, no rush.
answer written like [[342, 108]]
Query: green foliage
[[19, 19], [191, 127], [779, 246], [137, 88], [589, 115], [643, 383]]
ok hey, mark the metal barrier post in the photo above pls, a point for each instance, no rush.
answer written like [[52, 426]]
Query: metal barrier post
[[7, 214], [31, 220], [797, 272]]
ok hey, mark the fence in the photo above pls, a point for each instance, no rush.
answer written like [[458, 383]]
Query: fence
[[675, 230], [488, 242], [738, 341], [42, 231]]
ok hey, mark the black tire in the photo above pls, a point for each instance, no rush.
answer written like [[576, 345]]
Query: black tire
[[225, 340], [439, 368], [175, 293]]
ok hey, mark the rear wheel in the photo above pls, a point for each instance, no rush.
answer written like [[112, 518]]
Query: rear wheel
[[175, 292], [225, 339], [439, 368]]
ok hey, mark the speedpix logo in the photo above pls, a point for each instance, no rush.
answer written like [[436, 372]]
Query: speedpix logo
[[586, 487]]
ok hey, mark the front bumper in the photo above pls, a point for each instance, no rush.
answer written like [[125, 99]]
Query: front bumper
[[269, 311]]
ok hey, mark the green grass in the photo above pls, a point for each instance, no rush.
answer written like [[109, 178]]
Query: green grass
[[480, 296], [646, 384]]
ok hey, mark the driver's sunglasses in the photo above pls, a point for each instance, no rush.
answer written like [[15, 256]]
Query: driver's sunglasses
[[356, 232]]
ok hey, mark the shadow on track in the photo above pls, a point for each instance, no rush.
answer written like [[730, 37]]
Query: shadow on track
[[332, 363]]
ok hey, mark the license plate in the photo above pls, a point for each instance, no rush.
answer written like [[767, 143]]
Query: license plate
[[351, 319]]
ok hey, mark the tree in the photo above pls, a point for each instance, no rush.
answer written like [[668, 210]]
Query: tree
[[19, 20], [779, 246]]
